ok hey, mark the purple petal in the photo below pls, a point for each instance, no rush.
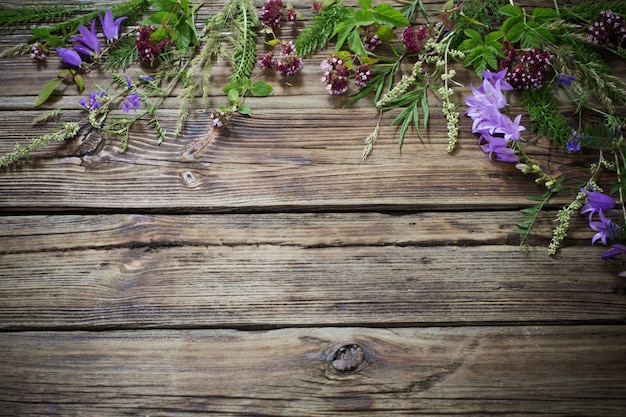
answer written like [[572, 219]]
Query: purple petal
[[89, 37], [70, 57], [110, 27]]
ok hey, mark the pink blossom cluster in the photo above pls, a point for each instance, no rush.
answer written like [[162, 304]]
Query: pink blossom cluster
[[525, 69], [147, 49], [337, 75], [608, 29], [413, 39], [272, 14], [288, 63]]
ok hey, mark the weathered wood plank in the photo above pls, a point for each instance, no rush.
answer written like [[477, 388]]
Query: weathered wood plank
[[413, 371], [272, 162], [31, 234], [273, 285]]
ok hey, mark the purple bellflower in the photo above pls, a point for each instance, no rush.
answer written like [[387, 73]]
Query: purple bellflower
[[497, 131], [615, 250], [89, 39], [510, 128], [497, 148], [597, 203], [110, 27], [604, 228], [70, 57], [492, 77]]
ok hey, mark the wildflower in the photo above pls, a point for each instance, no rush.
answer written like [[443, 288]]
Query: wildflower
[[70, 57], [336, 75], [605, 228], [370, 39], [147, 50], [94, 100], [129, 82], [89, 39], [413, 40], [529, 70], [363, 75], [493, 77], [615, 250], [38, 52], [146, 78], [565, 80], [131, 100], [497, 148], [110, 27], [218, 117], [574, 142], [289, 66], [511, 129], [287, 48], [292, 16], [272, 13], [609, 28], [266, 61], [317, 6], [496, 130], [597, 202]]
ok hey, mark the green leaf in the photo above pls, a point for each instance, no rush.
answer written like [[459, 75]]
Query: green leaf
[[47, 91], [261, 89], [387, 15], [162, 5], [425, 109], [365, 4], [233, 95], [510, 10], [544, 14], [356, 43], [386, 34], [467, 45], [342, 31], [80, 82], [364, 17], [473, 34], [244, 110], [232, 86]]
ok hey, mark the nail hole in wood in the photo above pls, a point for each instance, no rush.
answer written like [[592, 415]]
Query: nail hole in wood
[[348, 357]]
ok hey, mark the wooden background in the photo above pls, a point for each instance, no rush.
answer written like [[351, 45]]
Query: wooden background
[[235, 273]]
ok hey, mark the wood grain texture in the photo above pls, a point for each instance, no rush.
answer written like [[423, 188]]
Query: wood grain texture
[[274, 286], [411, 371], [221, 272]]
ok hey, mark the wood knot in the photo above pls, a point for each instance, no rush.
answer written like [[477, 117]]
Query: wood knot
[[348, 357], [189, 178]]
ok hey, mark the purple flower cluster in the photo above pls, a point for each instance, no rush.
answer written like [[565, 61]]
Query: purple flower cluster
[[272, 14], [525, 70], [147, 49], [370, 38], [565, 80], [363, 75], [608, 29], [288, 63], [574, 143], [336, 75], [497, 131], [38, 52], [88, 43], [94, 100], [413, 39], [599, 203]]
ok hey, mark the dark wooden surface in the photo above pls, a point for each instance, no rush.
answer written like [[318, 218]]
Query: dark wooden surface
[[224, 273]]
